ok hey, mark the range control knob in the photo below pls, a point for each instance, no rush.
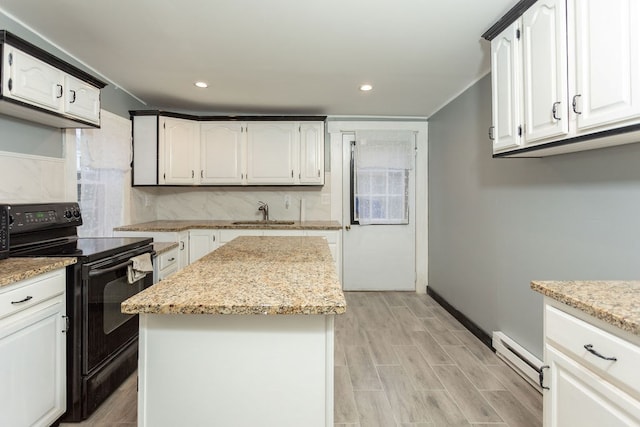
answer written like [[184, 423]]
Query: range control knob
[[76, 213], [68, 214]]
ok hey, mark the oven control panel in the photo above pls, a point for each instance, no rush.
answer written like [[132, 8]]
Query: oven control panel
[[39, 216]]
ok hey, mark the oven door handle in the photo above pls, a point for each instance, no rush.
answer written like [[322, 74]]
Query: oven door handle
[[98, 272]]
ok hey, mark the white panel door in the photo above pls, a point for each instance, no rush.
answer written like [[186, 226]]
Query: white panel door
[[376, 257], [606, 61], [544, 55], [222, 153], [311, 153], [271, 150], [179, 146], [506, 89], [34, 81], [578, 397], [201, 242], [33, 367], [81, 99]]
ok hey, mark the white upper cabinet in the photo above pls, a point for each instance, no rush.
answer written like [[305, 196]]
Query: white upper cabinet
[[271, 150], [222, 146], [168, 150], [179, 151], [564, 74], [506, 89], [545, 71], [81, 99], [605, 62], [32, 80], [311, 153], [41, 88]]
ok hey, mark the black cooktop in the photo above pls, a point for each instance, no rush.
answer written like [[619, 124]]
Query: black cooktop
[[86, 249]]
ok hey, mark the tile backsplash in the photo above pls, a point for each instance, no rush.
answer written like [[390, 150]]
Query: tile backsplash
[[230, 203]]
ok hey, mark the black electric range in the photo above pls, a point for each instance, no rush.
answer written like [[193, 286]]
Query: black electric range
[[102, 342]]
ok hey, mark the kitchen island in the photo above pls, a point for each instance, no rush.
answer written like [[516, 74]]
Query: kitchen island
[[242, 337]]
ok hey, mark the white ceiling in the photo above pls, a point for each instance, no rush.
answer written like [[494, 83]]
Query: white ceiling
[[275, 56]]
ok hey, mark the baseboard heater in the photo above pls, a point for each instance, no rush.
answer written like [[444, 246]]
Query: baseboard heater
[[520, 360]]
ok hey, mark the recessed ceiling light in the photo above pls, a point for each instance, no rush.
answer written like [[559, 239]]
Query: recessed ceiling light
[[201, 84], [366, 88]]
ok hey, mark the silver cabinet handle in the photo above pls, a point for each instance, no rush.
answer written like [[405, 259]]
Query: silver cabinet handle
[[318, 173], [171, 259], [193, 173], [575, 104], [201, 173], [491, 130], [60, 91], [589, 348], [554, 110], [214, 238], [182, 246], [73, 99]]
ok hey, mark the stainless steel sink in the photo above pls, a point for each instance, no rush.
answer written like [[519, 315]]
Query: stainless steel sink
[[263, 222]]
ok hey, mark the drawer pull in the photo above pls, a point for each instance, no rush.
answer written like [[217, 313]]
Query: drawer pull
[[589, 348], [171, 259], [22, 300]]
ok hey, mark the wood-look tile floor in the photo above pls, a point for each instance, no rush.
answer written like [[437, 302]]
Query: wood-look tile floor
[[400, 361]]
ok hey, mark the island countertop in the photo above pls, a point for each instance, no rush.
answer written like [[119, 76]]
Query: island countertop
[[615, 302], [182, 225], [250, 275]]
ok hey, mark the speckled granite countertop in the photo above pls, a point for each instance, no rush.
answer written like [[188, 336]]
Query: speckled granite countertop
[[181, 225], [250, 275], [162, 247], [15, 269], [615, 302]]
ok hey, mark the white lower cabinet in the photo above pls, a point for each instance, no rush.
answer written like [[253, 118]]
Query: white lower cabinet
[[167, 263], [201, 242], [586, 386], [33, 351]]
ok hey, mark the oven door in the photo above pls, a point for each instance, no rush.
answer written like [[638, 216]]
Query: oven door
[[104, 287]]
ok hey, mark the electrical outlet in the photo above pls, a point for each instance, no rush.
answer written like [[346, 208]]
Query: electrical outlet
[[287, 201]]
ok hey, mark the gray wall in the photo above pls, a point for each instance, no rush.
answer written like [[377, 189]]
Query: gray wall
[[24, 137], [497, 224]]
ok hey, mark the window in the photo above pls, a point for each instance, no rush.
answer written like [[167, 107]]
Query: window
[[380, 167]]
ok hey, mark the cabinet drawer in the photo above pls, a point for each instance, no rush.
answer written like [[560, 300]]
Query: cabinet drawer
[[573, 334], [27, 293], [168, 259]]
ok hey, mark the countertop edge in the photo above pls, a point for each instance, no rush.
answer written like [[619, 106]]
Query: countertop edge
[[602, 313], [23, 271], [158, 227]]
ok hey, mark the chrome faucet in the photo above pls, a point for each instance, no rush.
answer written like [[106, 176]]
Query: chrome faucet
[[265, 210]]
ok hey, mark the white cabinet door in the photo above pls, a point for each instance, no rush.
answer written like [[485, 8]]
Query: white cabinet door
[[32, 80], [81, 99], [201, 242], [179, 151], [33, 367], [579, 397], [311, 153], [506, 88], [544, 55], [222, 146], [183, 249], [606, 61], [271, 150]]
